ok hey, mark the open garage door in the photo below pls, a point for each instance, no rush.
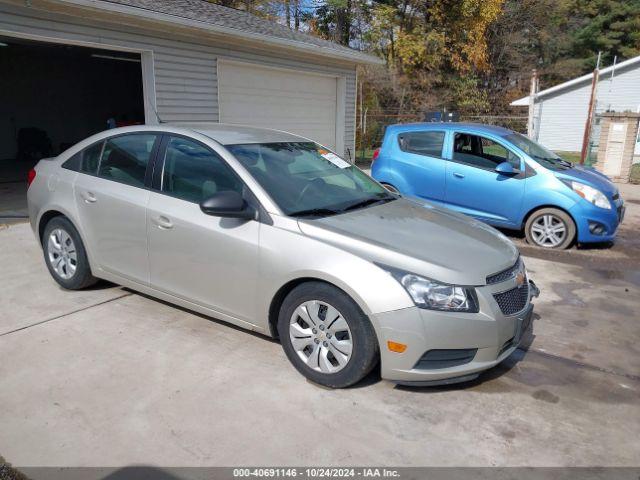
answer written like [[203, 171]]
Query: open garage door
[[297, 102], [51, 97]]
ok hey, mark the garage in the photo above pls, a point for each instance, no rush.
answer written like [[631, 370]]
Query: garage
[[71, 68], [54, 95], [294, 101]]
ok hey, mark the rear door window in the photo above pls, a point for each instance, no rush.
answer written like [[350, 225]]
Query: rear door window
[[85, 161], [422, 143], [125, 158], [91, 158]]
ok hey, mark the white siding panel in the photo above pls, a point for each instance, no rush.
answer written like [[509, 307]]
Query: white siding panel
[[185, 76], [563, 115], [296, 102]]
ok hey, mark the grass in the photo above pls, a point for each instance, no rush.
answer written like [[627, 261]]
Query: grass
[[635, 173], [573, 157], [364, 158]]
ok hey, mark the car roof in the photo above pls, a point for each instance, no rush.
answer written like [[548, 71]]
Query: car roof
[[476, 127], [228, 134]]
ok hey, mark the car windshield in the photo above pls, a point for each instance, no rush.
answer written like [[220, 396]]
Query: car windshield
[[304, 179], [536, 151]]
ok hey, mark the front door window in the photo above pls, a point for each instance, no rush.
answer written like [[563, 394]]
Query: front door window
[[482, 152]]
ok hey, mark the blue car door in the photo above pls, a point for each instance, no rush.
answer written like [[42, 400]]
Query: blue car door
[[474, 187], [418, 158]]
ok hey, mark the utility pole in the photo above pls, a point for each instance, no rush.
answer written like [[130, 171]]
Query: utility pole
[[532, 104], [592, 100]]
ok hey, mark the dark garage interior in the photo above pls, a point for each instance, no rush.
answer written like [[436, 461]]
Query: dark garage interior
[[51, 97]]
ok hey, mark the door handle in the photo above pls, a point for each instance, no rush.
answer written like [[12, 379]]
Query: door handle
[[458, 175], [163, 222], [89, 197]]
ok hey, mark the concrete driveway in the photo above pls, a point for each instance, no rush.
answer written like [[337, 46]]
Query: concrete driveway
[[107, 377]]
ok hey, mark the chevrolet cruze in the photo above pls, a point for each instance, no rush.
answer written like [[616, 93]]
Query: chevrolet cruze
[[277, 234]]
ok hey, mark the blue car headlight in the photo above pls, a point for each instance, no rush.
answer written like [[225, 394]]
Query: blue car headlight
[[590, 194]]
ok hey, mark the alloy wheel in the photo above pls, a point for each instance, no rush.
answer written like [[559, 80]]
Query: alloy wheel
[[321, 336], [62, 253], [548, 231]]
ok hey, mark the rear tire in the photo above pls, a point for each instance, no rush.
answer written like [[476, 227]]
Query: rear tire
[[326, 336], [550, 228], [65, 255]]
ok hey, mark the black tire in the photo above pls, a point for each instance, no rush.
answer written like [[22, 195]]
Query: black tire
[[390, 187], [364, 356], [569, 224], [82, 276]]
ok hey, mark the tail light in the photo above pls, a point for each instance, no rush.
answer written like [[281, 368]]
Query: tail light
[[31, 176], [376, 152]]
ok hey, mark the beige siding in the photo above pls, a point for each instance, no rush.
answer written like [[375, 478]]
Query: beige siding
[[184, 68]]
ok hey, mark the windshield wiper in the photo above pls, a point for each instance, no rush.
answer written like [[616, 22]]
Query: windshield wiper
[[314, 212], [367, 202]]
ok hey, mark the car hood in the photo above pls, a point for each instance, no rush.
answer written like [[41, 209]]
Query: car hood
[[589, 176], [419, 238]]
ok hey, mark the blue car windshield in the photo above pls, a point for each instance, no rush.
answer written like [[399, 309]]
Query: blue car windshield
[[306, 180], [536, 151]]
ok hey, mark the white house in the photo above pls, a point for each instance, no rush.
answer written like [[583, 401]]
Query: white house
[[560, 112]]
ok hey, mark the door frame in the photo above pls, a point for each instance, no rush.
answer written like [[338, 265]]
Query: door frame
[[341, 92], [147, 68]]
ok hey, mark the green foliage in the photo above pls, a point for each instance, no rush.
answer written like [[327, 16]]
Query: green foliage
[[610, 26], [472, 56]]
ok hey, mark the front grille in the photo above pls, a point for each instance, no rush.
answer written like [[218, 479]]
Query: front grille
[[505, 274], [434, 359], [514, 300]]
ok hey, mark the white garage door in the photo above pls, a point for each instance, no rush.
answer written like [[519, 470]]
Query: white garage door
[[300, 103]]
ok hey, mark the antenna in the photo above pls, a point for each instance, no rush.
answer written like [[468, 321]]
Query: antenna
[[613, 72]]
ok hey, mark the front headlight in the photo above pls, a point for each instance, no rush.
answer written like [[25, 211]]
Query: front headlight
[[590, 194], [433, 295]]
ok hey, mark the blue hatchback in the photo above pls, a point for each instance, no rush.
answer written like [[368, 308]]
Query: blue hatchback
[[502, 178]]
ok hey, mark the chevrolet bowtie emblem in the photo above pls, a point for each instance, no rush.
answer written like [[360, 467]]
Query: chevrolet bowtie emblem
[[520, 279]]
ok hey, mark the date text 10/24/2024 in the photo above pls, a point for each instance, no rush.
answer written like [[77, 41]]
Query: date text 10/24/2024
[[307, 472]]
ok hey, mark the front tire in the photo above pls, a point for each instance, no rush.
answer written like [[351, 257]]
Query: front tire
[[550, 228], [326, 336], [65, 255]]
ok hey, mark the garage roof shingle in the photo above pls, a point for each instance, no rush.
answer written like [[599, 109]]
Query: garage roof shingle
[[243, 22]]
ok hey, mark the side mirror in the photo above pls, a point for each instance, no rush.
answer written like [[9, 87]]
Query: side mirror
[[228, 204], [505, 168]]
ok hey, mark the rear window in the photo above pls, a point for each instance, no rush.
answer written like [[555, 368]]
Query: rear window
[[422, 143]]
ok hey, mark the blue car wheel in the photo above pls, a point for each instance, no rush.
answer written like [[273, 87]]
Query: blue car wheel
[[550, 228]]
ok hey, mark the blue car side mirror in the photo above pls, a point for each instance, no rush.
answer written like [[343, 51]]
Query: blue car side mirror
[[505, 168]]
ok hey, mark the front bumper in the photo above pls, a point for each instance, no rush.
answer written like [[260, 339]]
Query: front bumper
[[493, 335], [587, 217]]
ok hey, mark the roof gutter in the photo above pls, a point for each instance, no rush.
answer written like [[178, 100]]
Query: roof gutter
[[523, 102], [355, 56]]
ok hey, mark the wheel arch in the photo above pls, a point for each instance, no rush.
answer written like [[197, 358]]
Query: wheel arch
[[45, 218], [393, 178], [284, 290], [540, 207]]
